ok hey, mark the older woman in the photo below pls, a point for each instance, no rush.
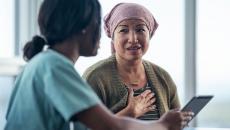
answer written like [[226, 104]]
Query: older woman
[[127, 84]]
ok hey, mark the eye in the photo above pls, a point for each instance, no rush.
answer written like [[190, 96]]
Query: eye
[[140, 30], [124, 30]]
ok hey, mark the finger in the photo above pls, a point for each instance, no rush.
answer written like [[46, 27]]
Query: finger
[[131, 93], [153, 100], [150, 108], [145, 93], [183, 124], [188, 115], [149, 96], [150, 102], [153, 107], [186, 125]]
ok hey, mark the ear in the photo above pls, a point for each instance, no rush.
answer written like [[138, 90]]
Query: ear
[[112, 47], [83, 31]]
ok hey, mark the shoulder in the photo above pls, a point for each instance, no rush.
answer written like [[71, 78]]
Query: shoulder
[[49, 62], [158, 70], [53, 59], [102, 67]]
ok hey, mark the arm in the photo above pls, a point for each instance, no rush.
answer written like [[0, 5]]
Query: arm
[[169, 87], [174, 99], [103, 119], [136, 106]]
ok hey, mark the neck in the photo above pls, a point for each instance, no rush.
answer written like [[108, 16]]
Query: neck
[[68, 49], [132, 73], [132, 66]]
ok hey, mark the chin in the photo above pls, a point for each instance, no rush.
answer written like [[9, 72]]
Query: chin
[[94, 53], [136, 57]]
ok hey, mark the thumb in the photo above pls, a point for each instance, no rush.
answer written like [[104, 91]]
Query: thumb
[[175, 109], [131, 93]]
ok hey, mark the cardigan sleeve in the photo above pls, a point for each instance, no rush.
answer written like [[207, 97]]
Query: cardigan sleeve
[[169, 87], [173, 95]]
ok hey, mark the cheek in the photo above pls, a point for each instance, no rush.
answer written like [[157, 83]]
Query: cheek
[[145, 44], [117, 46], [119, 43]]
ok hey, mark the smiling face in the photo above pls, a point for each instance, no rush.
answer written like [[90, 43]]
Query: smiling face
[[131, 39]]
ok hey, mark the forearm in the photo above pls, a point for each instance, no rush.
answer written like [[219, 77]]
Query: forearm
[[126, 112], [99, 118], [127, 123]]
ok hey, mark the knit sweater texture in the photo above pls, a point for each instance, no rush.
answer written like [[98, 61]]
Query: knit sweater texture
[[104, 78]]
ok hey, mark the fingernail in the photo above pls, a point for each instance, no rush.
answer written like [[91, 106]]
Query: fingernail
[[192, 113]]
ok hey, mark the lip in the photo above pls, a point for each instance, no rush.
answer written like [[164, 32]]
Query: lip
[[134, 48]]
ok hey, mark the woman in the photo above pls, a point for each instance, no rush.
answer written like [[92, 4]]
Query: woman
[[49, 93], [127, 84]]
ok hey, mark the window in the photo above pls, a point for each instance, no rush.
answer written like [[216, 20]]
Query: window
[[6, 51], [213, 62], [166, 46], [7, 28], [17, 25]]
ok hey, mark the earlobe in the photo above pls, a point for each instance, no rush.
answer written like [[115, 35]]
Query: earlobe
[[83, 31], [112, 47]]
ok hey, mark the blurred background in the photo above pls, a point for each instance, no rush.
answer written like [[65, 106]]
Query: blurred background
[[192, 43]]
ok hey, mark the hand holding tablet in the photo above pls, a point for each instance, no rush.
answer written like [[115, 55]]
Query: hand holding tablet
[[197, 103]]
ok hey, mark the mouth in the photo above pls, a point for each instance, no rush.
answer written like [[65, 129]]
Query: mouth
[[133, 48]]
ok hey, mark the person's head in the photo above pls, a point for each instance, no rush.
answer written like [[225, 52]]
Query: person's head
[[61, 20], [131, 26]]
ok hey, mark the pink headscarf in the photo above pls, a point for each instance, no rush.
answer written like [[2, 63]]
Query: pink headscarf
[[123, 11]]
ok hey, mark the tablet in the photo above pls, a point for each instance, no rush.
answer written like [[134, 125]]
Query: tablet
[[197, 103]]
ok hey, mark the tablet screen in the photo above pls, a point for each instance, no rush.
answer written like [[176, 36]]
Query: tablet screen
[[197, 103]]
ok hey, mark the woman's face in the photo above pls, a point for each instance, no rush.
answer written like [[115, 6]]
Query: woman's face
[[131, 39]]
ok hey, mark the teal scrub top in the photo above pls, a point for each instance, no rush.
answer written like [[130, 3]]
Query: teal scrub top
[[47, 94]]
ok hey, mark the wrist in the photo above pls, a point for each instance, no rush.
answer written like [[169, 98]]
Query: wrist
[[130, 111], [164, 123]]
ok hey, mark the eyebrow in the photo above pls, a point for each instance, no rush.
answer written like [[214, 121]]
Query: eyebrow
[[136, 25], [141, 25], [122, 25]]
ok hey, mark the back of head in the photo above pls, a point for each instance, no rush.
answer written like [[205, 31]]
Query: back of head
[[61, 19], [123, 11]]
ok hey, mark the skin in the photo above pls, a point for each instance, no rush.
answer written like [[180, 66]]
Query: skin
[[138, 105], [102, 118], [131, 41]]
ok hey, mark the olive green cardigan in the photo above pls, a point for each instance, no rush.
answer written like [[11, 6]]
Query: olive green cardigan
[[104, 79]]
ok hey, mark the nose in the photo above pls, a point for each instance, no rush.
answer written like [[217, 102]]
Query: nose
[[132, 37]]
